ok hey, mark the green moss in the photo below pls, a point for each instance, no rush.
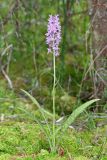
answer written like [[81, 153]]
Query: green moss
[[5, 157], [24, 137], [20, 138], [86, 143], [104, 158], [81, 158], [45, 155]]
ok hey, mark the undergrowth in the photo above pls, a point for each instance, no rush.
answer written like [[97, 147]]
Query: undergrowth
[[21, 138]]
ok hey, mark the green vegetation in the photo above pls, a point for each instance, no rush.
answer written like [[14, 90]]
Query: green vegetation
[[25, 140], [24, 62], [22, 138]]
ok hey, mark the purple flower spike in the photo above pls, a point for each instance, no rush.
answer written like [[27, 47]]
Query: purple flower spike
[[53, 35]]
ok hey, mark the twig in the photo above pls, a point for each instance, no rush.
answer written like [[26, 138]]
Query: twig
[[7, 78]]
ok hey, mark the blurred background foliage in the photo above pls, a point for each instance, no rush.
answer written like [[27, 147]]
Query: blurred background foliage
[[23, 24]]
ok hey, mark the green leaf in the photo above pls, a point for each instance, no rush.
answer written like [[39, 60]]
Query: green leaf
[[32, 117], [37, 104], [74, 115], [40, 109]]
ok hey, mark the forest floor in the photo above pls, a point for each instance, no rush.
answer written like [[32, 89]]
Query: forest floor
[[22, 139]]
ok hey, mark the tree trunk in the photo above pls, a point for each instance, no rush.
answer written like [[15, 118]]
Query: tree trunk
[[98, 12]]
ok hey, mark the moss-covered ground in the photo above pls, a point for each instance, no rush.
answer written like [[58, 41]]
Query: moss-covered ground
[[22, 139]]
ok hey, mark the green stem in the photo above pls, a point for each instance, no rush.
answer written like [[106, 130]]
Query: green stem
[[54, 138]]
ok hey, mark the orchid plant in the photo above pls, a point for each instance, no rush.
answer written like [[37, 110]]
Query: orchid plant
[[53, 39]]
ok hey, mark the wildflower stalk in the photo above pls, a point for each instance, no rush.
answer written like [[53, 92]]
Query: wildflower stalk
[[54, 90]]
